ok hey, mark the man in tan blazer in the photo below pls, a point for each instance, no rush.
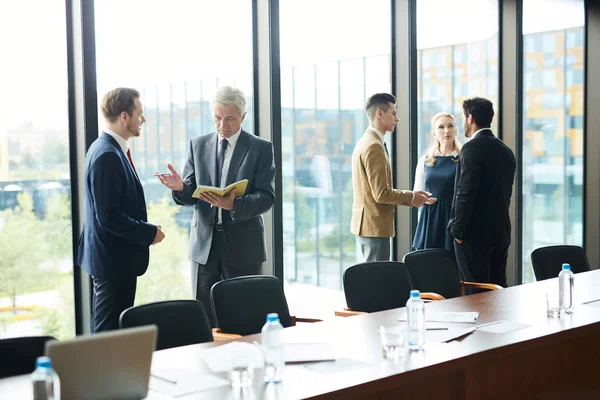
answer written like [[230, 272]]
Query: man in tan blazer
[[374, 196]]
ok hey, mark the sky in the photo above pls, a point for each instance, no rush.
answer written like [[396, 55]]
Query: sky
[[144, 43]]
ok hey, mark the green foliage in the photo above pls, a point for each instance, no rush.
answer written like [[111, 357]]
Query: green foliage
[[20, 237], [168, 274], [57, 228]]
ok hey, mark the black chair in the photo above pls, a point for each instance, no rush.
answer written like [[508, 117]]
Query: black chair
[[377, 286], [180, 322], [435, 270], [240, 305], [547, 261], [17, 355]]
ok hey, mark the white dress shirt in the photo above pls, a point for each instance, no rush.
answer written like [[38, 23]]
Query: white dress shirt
[[122, 142], [228, 154], [420, 172]]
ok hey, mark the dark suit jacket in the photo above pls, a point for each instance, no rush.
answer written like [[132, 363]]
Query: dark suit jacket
[[252, 159], [483, 187], [116, 235]]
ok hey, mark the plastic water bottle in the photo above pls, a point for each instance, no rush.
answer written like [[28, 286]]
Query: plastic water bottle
[[273, 346], [566, 280], [46, 384], [415, 318]]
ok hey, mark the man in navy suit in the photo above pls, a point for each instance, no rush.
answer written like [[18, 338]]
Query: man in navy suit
[[114, 245], [227, 236]]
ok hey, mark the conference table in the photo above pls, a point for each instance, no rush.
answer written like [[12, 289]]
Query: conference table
[[546, 358]]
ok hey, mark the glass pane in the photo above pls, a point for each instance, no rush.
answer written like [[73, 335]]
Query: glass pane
[[36, 265], [457, 50], [327, 73], [176, 55], [553, 137]]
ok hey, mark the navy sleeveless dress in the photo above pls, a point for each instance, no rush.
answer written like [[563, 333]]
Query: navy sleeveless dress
[[433, 219]]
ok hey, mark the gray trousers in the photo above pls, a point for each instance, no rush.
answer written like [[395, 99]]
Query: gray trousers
[[374, 248], [217, 268]]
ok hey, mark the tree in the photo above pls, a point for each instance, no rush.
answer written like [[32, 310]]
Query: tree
[[167, 277], [20, 234], [57, 228]]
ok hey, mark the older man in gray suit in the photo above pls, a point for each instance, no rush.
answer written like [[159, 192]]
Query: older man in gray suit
[[227, 236]]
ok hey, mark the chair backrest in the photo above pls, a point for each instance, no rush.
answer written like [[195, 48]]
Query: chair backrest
[[18, 355], [180, 322], [240, 305], [434, 270], [377, 286], [547, 261]]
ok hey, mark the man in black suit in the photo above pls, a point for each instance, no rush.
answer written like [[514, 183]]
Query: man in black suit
[[114, 245], [479, 220]]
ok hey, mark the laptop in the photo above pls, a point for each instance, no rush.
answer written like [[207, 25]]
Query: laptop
[[109, 365]]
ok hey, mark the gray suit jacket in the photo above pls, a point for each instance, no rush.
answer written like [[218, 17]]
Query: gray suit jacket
[[243, 227]]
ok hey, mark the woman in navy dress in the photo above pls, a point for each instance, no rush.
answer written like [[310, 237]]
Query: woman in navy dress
[[435, 174]]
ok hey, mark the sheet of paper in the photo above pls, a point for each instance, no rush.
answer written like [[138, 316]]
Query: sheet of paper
[[222, 358], [502, 327], [332, 367], [177, 382], [448, 316], [306, 352], [447, 335]]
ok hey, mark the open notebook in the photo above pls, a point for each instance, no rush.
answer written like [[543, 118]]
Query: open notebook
[[239, 187]]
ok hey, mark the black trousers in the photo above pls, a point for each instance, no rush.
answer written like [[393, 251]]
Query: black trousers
[[217, 268], [111, 297], [481, 263]]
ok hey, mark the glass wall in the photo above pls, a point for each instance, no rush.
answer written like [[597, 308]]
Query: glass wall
[[327, 72], [552, 141], [36, 273], [176, 55], [457, 58]]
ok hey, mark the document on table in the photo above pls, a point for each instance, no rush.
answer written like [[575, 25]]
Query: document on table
[[222, 358], [501, 326], [448, 316], [308, 352], [442, 336], [177, 382]]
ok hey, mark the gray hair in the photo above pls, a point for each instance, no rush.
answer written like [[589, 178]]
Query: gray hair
[[228, 95]]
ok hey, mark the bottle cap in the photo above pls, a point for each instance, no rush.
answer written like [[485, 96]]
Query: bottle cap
[[566, 266], [43, 362], [415, 293], [272, 317]]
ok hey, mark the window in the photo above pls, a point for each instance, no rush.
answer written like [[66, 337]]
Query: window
[[178, 55], [463, 37], [36, 265], [327, 73], [553, 127]]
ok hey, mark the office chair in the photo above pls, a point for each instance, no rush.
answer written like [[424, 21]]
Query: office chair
[[18, 355], [180, 322], [240, 305], [436, 270], [377, 286], [547, 261]]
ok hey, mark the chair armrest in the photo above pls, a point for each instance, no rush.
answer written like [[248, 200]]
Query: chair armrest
[[223, 337], [432, 296], [300, 319], [348, 313], [479, 285]]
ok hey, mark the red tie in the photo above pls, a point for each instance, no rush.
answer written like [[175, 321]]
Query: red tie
[[131, 161]]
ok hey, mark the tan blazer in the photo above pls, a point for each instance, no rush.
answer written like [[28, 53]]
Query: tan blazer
[[374, 196]]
